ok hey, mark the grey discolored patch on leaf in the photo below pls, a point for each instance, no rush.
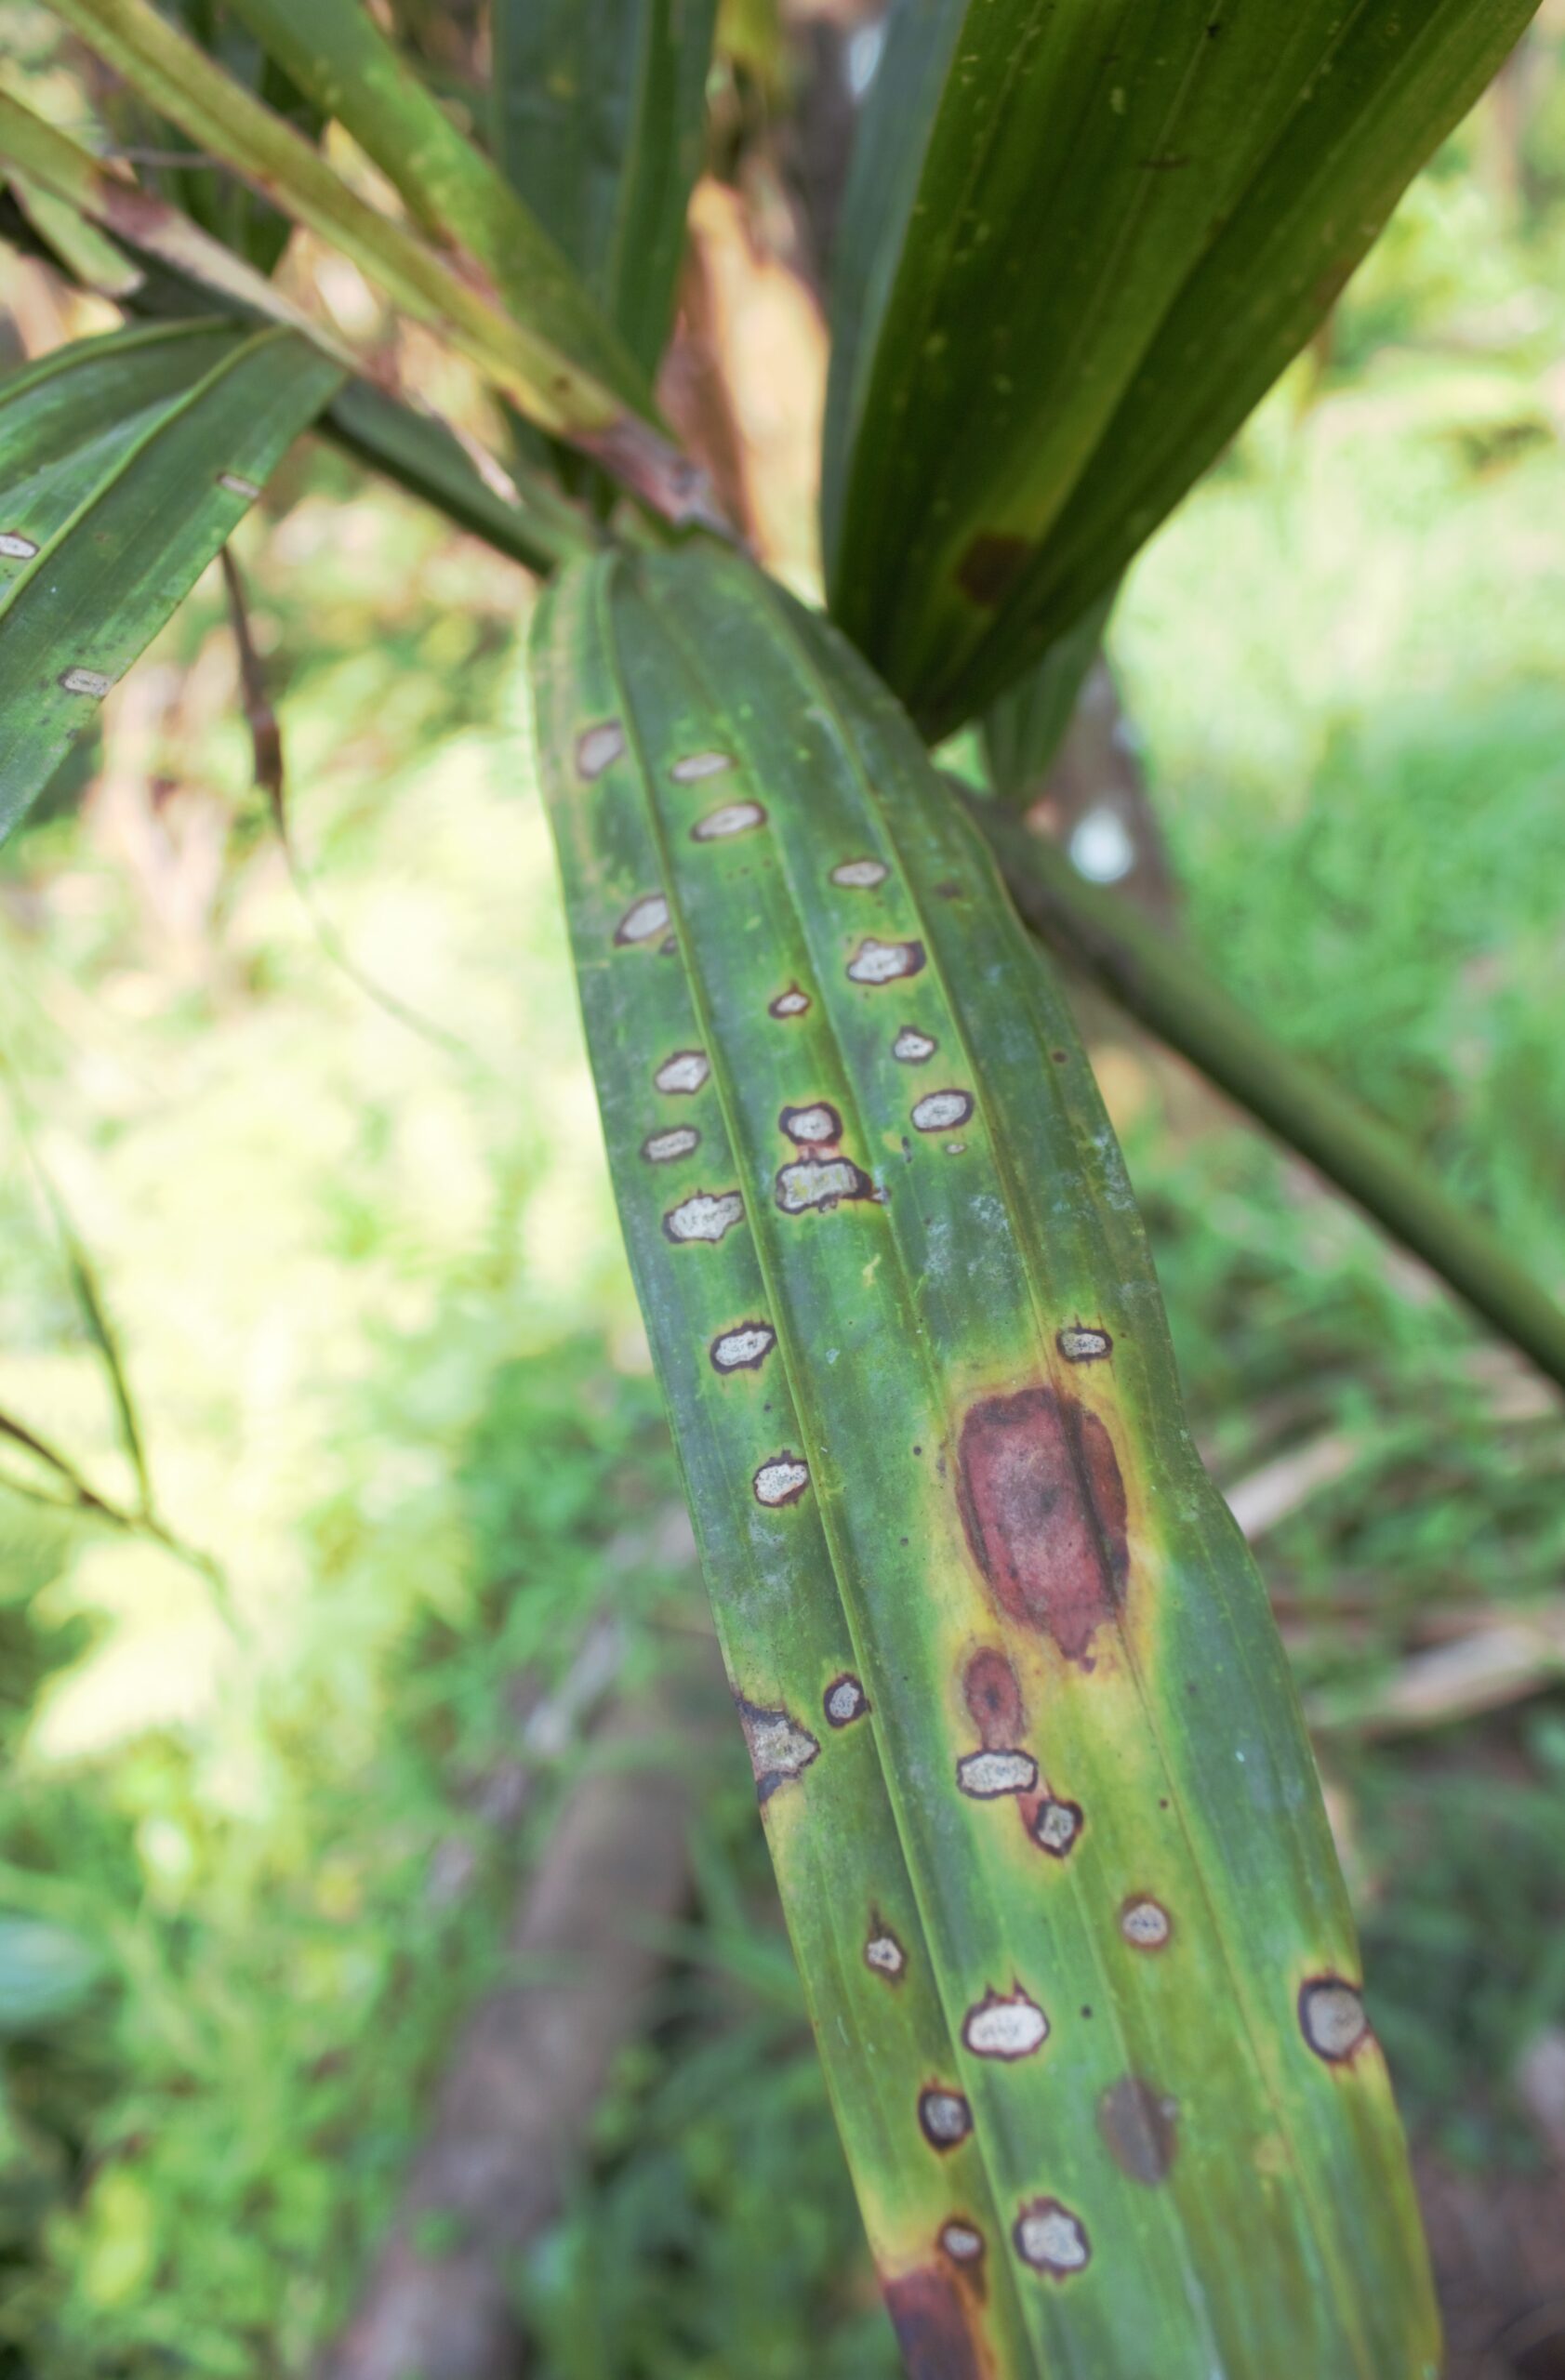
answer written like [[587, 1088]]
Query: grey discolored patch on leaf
[[743, 1349], [822, 1183], [84, 682], [705, 1215], [844, 1700], [860, 875], [1005, 2026], [1051, 2238], [1080, 1346], [939, 1110], [885, 1954], [661, 1148], [885, 962], [781, 1479], [1140, 2128], [1332, 2017], [597, 748], [237, 485], [912, 1047], [816, 1126], [964, 2243], [643, 920], [779, 1748], [793, 1002], [685, 1071], [945, 2118], [1144, 1922], [15, 546], [734, 818], [697, 765], [1057, 1828], [986, 1775]]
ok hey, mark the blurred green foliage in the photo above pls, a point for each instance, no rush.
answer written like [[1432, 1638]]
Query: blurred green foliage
[[392, 1379]]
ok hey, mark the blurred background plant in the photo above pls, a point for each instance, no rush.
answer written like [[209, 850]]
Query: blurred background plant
[[263, 1810]]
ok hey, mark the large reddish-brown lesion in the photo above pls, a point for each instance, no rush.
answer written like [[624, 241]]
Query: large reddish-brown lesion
[[1043, 1504], [933, 2317]]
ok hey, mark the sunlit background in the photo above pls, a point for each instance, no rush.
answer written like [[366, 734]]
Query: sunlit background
[[327, 1141]]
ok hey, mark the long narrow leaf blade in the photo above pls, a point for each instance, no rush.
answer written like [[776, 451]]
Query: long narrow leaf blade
[[867, 1975], [126, 462], [1079, 247], [334, 50], [553, 355], [599, 116], [964, 1400]]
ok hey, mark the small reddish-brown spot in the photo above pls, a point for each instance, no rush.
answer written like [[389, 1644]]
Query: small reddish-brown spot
[[1140, 2128], [884, 1953], [962, 2241], [816, 1126], [932, 2315], [779, 1748], [1057, 1826], [1332, 2019], [990, 566], [1144, 1922], [1051, 2238], [821, 1181], [846, 1701], [1043, 1504], [994, 1699], [944, 2117]]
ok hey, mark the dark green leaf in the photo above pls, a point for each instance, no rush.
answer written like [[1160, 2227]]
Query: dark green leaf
[[1004, 1663], [1025, 726], [126, 463], [600, 118], [1079, 245]]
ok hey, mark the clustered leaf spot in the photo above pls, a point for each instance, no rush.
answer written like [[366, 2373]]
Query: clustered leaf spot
[[743, 1349], [237, 485], [1332, 2017], [781, 1479], [15, 546], [734, 818], [885, 962], [912, 1047], [1057, 1828], [793, 1002], [1144, 1922], [86, 681], [986, 1775], [697, 765], [1051, 2238], [846, 1701], [685, 1071], [860, 875], [944, 2117], [779, 1748], [886, 1954], [643, 920], [661, 1148], [817, 1126], [961, 2241], [1080, 1346], [938, 1111], [598, 748], [705, 1215], [821, 1183], [1005, 2026]]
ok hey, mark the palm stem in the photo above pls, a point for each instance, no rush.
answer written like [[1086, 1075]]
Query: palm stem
[[1167, 991]]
